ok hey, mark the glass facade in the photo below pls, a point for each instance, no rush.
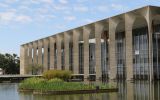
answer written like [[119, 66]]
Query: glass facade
[[92, 57], [81, 58], [42, 55], [48, 64], [62, 58], [156, 51], [104, 54], [140, 53], [120, 55], [70, 57], [55, 56]]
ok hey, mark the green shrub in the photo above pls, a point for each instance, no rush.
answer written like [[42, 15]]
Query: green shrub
[[55, 80], [61, 74]]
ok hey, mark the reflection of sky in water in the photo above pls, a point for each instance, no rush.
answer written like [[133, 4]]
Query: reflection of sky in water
[[8, 91], [139, 90]]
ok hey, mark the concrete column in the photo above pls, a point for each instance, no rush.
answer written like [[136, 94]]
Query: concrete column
[[23, 59], [30, 54], [52, 41], [129, 20], [112, 56], [59, 53], [40, 44], [45, 55], [148, 17], [66, 50], [76, 52], [130, 89], [35, 52], [86, 33], [30, 59], [40, 52], [98, 32]]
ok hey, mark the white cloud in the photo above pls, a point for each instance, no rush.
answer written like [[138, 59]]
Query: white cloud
[[63, 1], [24, 8], [7, 16], [60, 7], [12, 16], [42, 10], [119, 7], [70, 18], [23, 19], [47, 1], [3, 5], [103, 8], [81, 1], [11, 1], [88, 20], [60, 27], [45, 17], [36, 2], [80, 8]]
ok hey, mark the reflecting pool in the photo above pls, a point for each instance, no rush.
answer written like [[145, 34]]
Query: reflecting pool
[[138, 90]]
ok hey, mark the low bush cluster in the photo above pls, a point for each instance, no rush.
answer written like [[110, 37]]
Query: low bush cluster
[[61, 74]]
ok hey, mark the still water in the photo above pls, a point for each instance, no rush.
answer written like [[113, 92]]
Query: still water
[[139, 90]]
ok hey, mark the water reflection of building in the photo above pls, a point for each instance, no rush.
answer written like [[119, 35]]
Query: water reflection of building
[[1, 71], [139, 90], [125, 46]]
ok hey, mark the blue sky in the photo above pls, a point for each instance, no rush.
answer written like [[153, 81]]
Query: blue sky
[[22, 21]]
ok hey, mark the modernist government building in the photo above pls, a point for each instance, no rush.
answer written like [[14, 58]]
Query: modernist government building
[[125, 46]]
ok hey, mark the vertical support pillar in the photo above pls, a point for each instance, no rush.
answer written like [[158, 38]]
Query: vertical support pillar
[[129, 20], [130, 88], [23, 59], [30, 59], [45, 56], [112, 54], [40, 52], [148, 17], [59, 52], [34, 52], [66, 50], [98, 32], [30, 54], [52, 41], [86, 33], [76, 51]]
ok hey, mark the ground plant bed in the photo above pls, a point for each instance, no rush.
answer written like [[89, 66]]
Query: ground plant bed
[[60, 87]]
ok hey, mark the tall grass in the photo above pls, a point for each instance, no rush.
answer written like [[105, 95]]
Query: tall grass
[[57, 85]]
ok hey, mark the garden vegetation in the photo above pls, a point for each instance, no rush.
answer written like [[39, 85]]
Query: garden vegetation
[[55, 80], [58, 85]]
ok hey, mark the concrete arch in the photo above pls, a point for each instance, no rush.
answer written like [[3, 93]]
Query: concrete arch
[[140, 47], [102, 39], [68, 48], [86, 32], [59, 40], [45, 54], [76, 54], [52, 52], [113, 22], [155, 41], [120, 43]]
